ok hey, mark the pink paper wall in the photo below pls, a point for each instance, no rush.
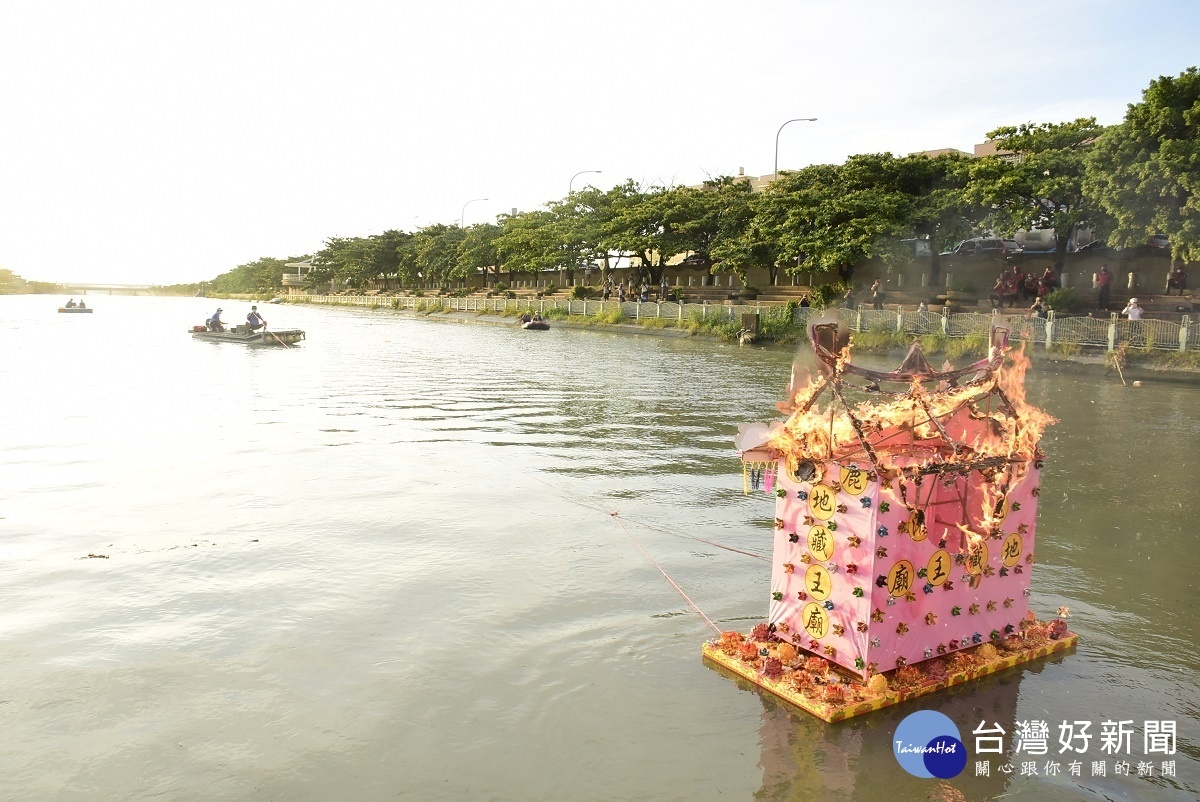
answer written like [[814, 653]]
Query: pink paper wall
[[853, 582]]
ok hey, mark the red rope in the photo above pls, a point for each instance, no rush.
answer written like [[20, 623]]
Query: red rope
[[686, 598]]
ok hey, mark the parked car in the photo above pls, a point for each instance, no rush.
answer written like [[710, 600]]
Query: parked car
[[1160, 242], [984, 246]]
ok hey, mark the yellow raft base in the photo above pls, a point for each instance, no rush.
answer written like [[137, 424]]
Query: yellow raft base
[[860, 699]]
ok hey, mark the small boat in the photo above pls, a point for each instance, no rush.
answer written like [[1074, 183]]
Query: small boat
[[84, 310], [281, 338], [536, 325]]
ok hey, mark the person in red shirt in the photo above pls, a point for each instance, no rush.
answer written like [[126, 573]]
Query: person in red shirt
[[1048, 283], [1103, 284]]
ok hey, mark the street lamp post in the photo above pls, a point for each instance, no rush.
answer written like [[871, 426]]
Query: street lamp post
[[775, 175], [571, 183], [463, 214]]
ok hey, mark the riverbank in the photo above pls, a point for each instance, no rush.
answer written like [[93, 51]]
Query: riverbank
[[1136, 364]]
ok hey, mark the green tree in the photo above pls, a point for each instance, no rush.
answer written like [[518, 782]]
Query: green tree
[[828, 217], [645, 224], [1040, 185], [477, 252], [10, 282], [939, 209], [750, 236], [1145, 172], [435, 252], [387, 251], [261, 275], [583, 221], [531, 242], [712, 220]]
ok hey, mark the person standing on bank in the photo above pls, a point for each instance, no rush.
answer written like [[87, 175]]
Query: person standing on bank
[[1104, 287], [254, 321], [1134, 313], [877, 295], [1177, 280]]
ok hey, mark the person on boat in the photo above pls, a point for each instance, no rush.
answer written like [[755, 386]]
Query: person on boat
[[70, 304], [82, 305], [526, 318], [537, 317], [254, 321], [214, 323]]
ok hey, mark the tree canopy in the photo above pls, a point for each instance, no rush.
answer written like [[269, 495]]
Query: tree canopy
[[1043, 185], [1145, 172]]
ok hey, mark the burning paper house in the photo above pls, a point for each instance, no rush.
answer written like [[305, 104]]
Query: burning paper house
[[906, 507]]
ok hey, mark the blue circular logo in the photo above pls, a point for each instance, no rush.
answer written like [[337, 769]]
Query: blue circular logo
[[928, 744]]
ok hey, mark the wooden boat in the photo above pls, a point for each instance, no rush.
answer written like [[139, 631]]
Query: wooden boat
[[536, 325], [85, 310], [281, 338]]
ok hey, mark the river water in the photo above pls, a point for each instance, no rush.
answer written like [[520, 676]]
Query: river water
[[381, 565]]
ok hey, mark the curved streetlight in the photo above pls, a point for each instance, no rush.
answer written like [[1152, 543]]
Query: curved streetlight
[[463, 214], [775, 175], [571, 183]]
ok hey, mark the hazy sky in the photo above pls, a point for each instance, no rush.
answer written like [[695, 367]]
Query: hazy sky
[[165, 142]]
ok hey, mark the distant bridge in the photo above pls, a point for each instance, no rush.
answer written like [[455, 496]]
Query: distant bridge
[[105, 289]]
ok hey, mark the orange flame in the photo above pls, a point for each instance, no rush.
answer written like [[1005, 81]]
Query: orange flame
[[985, 425]]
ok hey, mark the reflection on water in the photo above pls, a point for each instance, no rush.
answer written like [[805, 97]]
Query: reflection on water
[[383, 563]]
